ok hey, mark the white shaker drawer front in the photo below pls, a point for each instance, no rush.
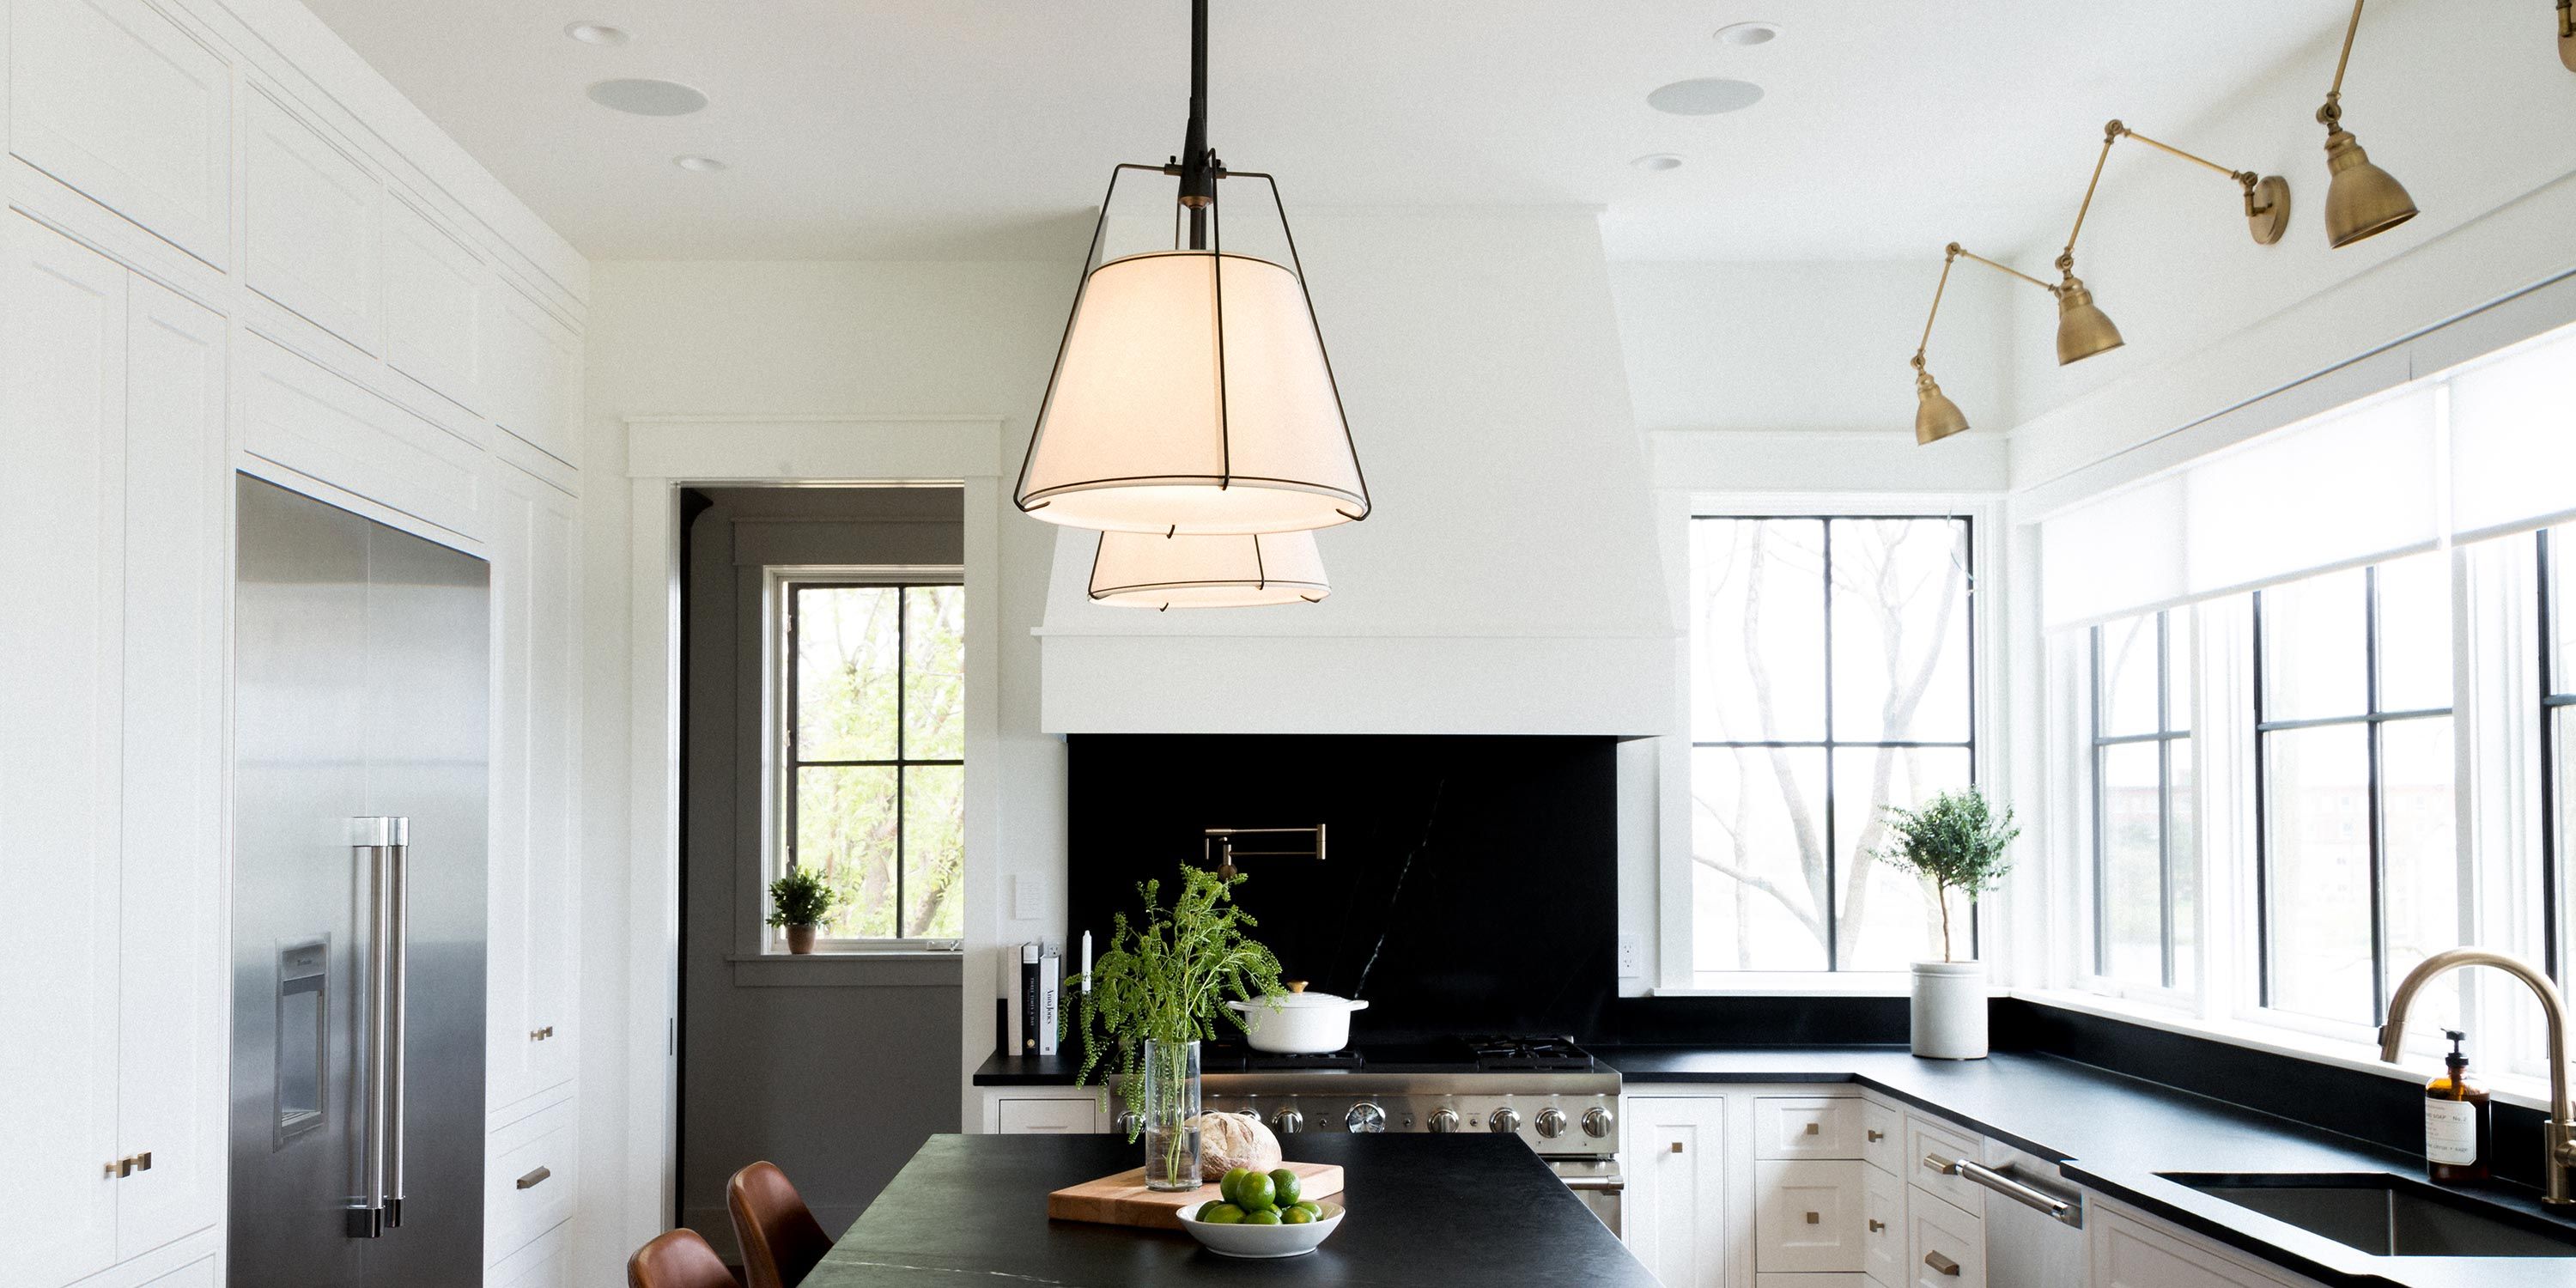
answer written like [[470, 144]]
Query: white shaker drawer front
[[433, 306], [2129, 1254], [1807, 1215], [1025, 1117], [120, 103], [1946, 1248], [1806, 1128], [1882, 1137], [313, 226], [529, 1183], [544, 1263], [1810, 1281], [1925, 1144], [307, 418], [1883, 1232]]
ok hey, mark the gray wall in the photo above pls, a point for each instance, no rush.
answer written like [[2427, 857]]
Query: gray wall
[[833, 1067]]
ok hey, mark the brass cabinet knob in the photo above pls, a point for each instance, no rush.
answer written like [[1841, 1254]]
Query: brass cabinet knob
[[1815, 1128], [1877, 1226], [1875, 1135], [1677, 1147], [1815, 1218]]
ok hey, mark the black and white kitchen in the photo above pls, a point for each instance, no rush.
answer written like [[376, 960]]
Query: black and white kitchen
[[909, 642]]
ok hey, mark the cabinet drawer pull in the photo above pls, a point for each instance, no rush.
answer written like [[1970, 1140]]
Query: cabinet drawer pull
[[1677, 1147], [1815, 1218], [535, 1178], [1941, 1264], [1875, 1135], [1814, 1128], [1877, 1226], [143, 1161]]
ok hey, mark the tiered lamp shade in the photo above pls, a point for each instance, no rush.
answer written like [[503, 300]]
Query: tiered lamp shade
[[1141, 570], [1171, 414]]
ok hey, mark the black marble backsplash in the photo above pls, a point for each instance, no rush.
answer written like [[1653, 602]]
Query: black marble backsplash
[[1470, 883]]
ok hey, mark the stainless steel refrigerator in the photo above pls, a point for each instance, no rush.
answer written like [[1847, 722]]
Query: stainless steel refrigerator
[[361, 665]]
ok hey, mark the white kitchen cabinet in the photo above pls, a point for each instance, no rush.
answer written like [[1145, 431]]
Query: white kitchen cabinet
[[2128, 1252], [1944, 1247], [313, 420], [434, 289], [1882, 1227], [534, 546], [544, 1263], [1020, 1116], [120, 102], [312, 235], [1806, 1127], [532, 364], [1807, 1215], [1882, 1137], [1927, 1139], [1674, 1216], [111, 755]]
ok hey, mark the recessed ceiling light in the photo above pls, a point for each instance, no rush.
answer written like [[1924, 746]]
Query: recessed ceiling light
[[698, 164], [648, 97], [1705, 97], [1658, 161], [597, 33], [1749, 33]]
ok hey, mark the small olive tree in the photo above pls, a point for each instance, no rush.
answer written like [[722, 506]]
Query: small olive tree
[[1954, 842]]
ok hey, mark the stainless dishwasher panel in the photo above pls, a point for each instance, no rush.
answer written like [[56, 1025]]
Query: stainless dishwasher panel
[[1596, 1181], [2034, 1225]]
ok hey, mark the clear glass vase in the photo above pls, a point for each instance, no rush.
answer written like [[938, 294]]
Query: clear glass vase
[[1169, 1103]]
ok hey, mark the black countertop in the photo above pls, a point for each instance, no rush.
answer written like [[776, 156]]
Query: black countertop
[[1422, 1210], [2112, 1134]]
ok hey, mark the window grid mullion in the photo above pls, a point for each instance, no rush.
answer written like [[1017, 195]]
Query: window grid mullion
[[1832, 910], [2375, 799], [2164, 805], [2551, 807], [2101, 824], [2262, 822]]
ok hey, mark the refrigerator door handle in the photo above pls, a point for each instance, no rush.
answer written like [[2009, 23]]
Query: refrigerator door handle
[[375, 842], [398, 1017]]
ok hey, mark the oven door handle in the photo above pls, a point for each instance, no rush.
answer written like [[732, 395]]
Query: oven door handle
[[1597, 1184]]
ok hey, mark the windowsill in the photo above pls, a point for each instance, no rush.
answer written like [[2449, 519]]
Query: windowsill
[[884, 968], [1800, 984], [2513, 1089]]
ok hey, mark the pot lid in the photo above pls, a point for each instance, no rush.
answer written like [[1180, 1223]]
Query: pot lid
[[1301, 1002]]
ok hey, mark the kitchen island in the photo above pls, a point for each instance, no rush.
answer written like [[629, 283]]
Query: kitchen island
[[1422, 1210]]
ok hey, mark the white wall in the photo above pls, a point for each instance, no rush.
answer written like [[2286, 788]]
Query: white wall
[[789, 339]]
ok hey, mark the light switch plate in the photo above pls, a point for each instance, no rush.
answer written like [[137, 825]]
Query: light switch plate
[[1024, 899], [1632, 956]]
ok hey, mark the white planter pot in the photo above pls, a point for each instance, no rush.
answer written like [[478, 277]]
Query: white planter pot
[[1950, 1010]]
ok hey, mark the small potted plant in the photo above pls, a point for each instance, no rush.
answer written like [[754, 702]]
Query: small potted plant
[[1957, 844], [800, 901], [1159, 989]]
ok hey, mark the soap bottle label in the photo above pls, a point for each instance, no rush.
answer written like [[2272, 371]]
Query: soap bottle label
[[2450, 1132]]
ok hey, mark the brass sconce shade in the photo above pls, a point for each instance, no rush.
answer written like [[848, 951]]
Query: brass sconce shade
[[2362, 200], [1935, 416], [2567, 33], [2083, 329]]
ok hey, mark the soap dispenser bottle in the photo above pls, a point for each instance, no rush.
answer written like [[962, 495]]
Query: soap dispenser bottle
[[2459, 1121]]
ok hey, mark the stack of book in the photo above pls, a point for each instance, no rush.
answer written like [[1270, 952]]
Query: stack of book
[[1030, 1013]]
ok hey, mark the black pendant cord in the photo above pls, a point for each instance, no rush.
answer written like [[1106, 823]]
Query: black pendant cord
[[1197, 164]]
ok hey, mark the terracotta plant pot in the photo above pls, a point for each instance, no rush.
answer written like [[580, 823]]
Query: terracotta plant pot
[[800, 939]]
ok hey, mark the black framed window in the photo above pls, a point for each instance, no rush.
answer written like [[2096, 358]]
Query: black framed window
[[2358, 865], [2557, 743], [1833, 675], [2145, 884], [874, 752]]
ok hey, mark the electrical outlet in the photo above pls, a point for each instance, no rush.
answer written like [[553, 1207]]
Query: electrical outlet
[[1632, 956], [1024, 899]]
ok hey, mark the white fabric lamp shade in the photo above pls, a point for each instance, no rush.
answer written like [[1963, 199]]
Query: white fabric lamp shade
[[1149, 570], [1139, 433]]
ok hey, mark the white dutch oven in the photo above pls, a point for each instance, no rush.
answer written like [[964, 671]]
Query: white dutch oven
[[1299, 1023]]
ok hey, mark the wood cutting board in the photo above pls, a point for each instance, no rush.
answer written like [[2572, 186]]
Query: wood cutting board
[[1124, 1200]]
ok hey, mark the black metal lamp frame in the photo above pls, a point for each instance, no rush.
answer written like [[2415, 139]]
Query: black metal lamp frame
[[1201, 173]]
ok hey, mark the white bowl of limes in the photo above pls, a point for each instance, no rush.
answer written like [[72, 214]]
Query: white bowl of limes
[[1261, 1214]]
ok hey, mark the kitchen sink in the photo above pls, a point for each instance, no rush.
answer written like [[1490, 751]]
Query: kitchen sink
[[2391, 1216]]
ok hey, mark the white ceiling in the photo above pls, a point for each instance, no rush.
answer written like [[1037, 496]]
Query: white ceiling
[[933, 129]]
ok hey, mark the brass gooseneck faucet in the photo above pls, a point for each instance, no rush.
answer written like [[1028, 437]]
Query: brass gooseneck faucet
[[2559, 1156]]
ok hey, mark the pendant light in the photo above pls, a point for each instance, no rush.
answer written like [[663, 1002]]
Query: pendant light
[[2362, 200], [1145, 570], [1192, 394]]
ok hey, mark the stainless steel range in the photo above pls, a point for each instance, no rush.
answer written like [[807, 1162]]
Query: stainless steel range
[[1548, 1092]]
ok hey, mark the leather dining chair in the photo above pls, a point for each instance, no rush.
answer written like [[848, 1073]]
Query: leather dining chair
[[780, 1239], [678, 1259]]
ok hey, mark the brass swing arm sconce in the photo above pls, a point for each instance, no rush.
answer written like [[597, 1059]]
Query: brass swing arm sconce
[[2567, 33], [1935, 416], [2363, 200]]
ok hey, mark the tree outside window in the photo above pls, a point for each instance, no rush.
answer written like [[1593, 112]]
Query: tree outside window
[[874, 748], [1831, 678]]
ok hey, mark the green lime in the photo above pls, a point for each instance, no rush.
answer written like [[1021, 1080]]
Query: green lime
[[1254, 1193], [1313, 1211], [1230, 1184], [1297, 1215], [1263, 1217], [1221, 1213], [1286, 1186]]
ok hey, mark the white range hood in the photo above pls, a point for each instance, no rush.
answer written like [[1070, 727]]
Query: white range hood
[[1509, 580]]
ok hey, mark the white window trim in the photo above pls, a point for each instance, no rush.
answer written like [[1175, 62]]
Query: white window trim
[[774, 700], [1998, 926]]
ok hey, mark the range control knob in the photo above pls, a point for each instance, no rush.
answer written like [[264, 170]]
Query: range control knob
[[1130, 1123], [1364, 1118], [1597, 1122], [1288, 1122], [1504, 1121], [1444, 1120], [1551, 1122]]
